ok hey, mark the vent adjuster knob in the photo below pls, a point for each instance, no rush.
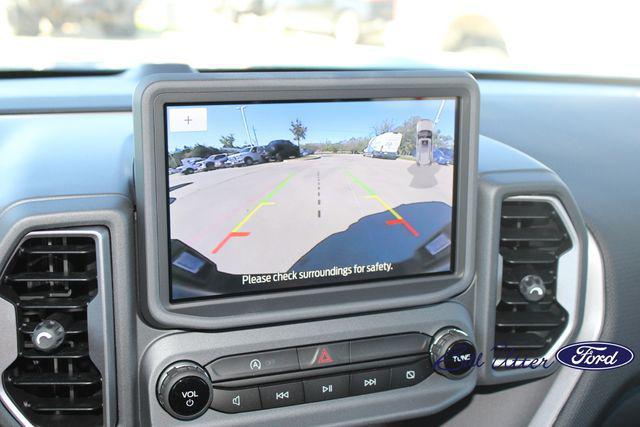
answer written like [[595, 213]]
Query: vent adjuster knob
[[49, 334], [532, 288]]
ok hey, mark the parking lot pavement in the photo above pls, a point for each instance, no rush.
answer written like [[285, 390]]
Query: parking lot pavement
[[264, 218]]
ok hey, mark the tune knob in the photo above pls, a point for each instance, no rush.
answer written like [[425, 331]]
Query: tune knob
[[452, 352], [184, 390]]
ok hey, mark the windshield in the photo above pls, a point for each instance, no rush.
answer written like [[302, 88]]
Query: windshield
[[544, 36]]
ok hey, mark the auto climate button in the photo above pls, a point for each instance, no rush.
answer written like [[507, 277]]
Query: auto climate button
[[254, 364]]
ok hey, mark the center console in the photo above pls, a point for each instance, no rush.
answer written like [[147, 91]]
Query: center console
[[316, 209], [307, 241]]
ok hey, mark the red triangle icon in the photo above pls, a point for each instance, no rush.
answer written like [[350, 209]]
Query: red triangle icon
[[324, 357]]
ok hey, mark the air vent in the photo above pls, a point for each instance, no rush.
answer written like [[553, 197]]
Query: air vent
[[529, 317], [50, 281]]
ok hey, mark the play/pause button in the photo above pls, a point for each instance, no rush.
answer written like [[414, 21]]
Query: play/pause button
[[318, 389]]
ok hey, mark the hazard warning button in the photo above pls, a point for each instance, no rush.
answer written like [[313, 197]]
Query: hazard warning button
[[319, 356]]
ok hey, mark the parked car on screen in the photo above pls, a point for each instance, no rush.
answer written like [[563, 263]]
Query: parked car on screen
[[214, 161], [246, 157], [200, 166], [443, 155], [189, 165], [389, 155], [281, 149]]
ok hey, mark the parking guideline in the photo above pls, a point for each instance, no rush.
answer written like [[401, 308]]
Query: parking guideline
[[266, 201], [250, 214], [371, 194], [385, 205], [279, 187]]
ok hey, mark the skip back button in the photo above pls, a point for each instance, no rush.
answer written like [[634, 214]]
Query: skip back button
[[278, 395]]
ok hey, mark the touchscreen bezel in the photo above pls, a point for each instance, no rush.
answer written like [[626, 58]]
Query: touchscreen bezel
[[151, 100]]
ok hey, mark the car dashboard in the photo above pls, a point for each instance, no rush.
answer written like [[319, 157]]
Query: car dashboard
[[555, 164]]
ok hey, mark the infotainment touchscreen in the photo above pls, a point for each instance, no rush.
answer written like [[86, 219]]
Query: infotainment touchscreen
[[272, 196]]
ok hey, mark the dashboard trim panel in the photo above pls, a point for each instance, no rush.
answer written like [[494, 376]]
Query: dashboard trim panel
[[590, 330]]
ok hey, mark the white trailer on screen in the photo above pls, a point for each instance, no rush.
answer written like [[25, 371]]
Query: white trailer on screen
[[387, 142]]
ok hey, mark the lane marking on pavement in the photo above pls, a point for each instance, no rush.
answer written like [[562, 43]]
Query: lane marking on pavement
[[318, 175], [235, 232], [372, 195]]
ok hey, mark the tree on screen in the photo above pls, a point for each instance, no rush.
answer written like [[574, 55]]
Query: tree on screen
[[384, 127], [298, 130], [408, 131], [227, 140], [200, 150]]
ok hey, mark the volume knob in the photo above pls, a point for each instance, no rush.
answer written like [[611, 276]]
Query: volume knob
[[452, 352], [184, 390]]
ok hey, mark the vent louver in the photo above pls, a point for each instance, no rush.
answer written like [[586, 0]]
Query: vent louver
[[528, 317], [53, 279]]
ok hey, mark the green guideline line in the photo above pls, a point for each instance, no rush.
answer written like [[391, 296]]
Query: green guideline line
[[364, 186], [279, 187]]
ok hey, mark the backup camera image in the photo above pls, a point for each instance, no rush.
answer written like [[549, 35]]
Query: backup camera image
[[271, 196]]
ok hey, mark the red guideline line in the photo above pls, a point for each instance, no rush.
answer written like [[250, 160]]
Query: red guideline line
[[405, 223], [229, 236]]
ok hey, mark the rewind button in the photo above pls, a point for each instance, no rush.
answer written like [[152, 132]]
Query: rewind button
[[275, 396]]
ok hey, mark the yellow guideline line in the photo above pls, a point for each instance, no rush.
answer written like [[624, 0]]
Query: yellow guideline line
[[385, 205], [250, 214]]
